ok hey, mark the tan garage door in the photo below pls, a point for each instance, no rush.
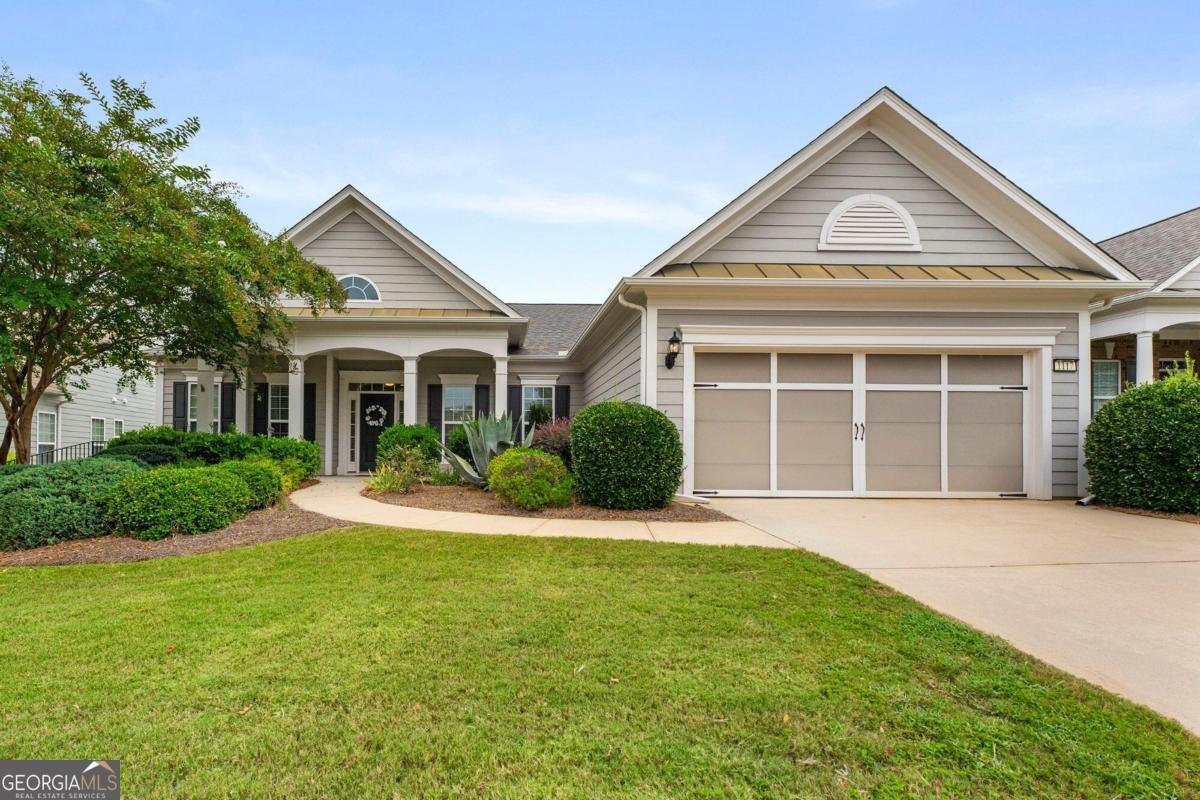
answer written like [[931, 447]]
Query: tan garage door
[[858, 423]]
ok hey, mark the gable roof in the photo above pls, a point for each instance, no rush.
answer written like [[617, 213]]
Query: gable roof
[[350, 200], [1162, 251], [979, 185], [554, 327]]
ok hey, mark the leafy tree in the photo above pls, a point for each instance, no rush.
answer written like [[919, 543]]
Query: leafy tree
[[113, 252]]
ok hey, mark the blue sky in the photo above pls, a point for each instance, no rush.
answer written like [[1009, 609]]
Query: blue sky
[[550, 148]]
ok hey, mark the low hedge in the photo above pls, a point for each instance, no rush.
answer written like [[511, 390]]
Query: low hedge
[[216, 448], [56, 502], [263, 477], [158, 503], [529, 479], [154, 455], [397, 437], [1142, 448], [625, 455]]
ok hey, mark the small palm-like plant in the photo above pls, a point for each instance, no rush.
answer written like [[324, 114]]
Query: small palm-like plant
[[487, 436]]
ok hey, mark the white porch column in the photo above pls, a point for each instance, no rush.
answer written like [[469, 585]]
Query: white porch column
[[205, 384], [1145, 357], [296, 399], [330, 379], [501, 385], [410, 390], [240, 417]]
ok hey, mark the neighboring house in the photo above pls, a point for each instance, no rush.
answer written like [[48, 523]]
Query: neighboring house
[[1144, 335], [95, 414], [884, 314]]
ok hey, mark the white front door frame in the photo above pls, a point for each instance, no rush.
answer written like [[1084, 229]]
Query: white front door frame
[[1034, 344], [345, 466]]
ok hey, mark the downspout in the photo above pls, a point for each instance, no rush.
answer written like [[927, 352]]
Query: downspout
[[643, 381]]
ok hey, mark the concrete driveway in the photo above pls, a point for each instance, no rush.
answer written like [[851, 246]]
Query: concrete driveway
[[1113, 598]]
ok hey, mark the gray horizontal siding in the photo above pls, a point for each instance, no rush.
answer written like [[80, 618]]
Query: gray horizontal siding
[[102, 399], [788, 229], [616, 372], [1063, 393], [355, 246]]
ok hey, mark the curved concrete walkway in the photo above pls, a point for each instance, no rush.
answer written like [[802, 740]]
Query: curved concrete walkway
[[340, 498]]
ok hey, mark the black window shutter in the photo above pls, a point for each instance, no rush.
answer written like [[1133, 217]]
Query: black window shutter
[[260, 409], [1130, 375], [483, 399], [310, 412], [434, 412], [179, 408], [562, 401], [514, 401], [228, 406]]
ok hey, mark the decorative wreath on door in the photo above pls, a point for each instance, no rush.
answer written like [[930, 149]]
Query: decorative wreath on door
[[375, 416]]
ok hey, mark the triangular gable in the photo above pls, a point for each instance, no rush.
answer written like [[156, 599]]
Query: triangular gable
[[1034, 229], [350, 235], [1186, 279]]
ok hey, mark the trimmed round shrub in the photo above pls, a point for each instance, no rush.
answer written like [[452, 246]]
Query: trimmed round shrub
[[160, 502], [529, 479], [424, 438], [555, 438], [625, 455], [153, 455], [305, 454], [457, 443], [213, 448], [263, 477], [1142, 448], [53, 503]]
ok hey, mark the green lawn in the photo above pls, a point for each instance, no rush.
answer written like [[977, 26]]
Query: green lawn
[[370, 662]]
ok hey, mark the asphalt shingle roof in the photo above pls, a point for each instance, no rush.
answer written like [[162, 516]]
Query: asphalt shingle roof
[[553, 327], [1157, 251]]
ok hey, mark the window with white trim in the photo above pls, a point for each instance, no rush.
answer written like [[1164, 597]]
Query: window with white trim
[[458, 406], [47, 424], [194, 400], [277, 409], [359, 288], [118, 427], [869, 222], [1169, 366], [97, 429], [536, 396], [1106, 382]]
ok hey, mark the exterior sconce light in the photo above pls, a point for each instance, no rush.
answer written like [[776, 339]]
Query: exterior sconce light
[[673, 349], [1066, 365]]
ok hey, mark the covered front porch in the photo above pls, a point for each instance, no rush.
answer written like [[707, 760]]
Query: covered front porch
[[1139, 347]]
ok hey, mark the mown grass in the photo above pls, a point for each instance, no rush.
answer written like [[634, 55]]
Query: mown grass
[[370, 662]]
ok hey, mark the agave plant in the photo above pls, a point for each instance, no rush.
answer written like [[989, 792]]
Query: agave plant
[[487, 436]]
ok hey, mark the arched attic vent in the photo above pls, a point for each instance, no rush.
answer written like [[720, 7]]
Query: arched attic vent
[[869, 222]]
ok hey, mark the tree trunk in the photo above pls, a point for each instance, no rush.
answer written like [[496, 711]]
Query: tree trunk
[[4, 444], [20, 425]]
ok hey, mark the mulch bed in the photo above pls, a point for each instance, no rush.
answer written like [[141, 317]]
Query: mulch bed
[[468, 498], [1193, 519], [264, 525]]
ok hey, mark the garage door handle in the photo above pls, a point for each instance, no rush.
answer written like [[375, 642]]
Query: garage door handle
[[704, 386], [1015, 388], [860, 431]]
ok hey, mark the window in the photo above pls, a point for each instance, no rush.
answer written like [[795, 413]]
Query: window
[[47, 422], [97, 429], [354, 431], [1106, 382], [1168, 366], [869, 222], [194, 398], [277, 410], [118, 427], [359, 288], [536, 396], [458, 406]]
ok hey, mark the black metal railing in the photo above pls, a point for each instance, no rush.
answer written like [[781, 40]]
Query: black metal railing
[[68, 453]]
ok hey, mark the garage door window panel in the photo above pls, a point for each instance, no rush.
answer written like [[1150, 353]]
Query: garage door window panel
[[968, 370], [733, 368], [904, 368], [816, 368]]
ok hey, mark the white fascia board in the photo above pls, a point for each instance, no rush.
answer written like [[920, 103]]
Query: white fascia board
[[1169, 282], [838, 338]]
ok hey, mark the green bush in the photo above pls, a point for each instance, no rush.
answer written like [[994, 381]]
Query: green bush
[[444, 476], [11, 467], [158, 503], [539, 414], [555, 438], [153, 455], [424, 438], [306, 455], [216, 448], [1142, 448], [529, 479], [160, 434], [56, 502], [122, 457], [625, 455], [263, 477], [457, 442], [406, 467]]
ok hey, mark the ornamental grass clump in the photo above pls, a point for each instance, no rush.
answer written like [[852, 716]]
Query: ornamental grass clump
[[1142, 448]]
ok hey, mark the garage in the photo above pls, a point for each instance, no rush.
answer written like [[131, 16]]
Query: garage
[[862, 423]]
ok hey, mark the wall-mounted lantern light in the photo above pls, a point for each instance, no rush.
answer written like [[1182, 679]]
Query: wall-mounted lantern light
[[673, 349], [1066, 365]]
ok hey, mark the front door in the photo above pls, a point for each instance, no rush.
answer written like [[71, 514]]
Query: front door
[[375, 412]]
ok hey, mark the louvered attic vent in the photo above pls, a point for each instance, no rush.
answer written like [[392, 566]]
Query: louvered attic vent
[[869, 222]]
